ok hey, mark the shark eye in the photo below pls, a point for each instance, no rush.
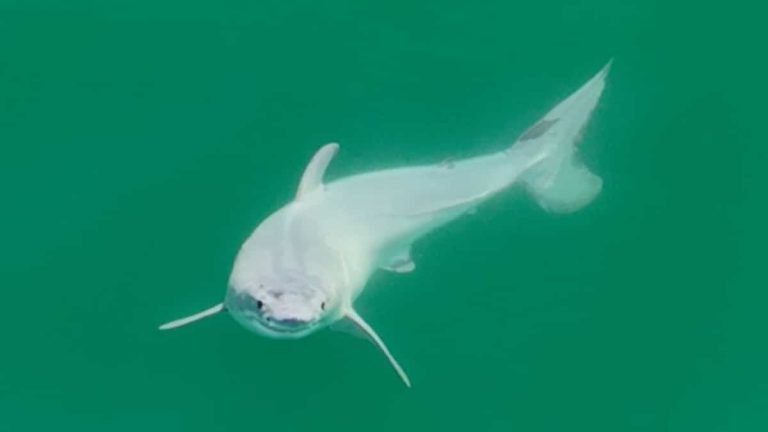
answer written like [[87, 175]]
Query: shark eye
[[259, 304]]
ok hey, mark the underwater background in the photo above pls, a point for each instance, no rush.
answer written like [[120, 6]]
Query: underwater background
[[141, 142]]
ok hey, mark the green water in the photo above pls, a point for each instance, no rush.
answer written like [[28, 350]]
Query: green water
[[141, 142]]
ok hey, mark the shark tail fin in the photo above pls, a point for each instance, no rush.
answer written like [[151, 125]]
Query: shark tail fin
[[192, 318], [561, 183], [368, 330]]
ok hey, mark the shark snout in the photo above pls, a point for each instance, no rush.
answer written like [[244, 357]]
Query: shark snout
[[291, 312], [291, 323], [282, 310], [288, 312]]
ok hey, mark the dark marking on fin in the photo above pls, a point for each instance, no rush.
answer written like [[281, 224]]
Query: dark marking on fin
[[538, 130], [580, 134]]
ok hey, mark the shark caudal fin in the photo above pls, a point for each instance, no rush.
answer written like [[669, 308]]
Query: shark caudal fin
[[561, 183]]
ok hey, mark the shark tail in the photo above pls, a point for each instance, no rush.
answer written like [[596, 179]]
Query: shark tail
[[560, 182]]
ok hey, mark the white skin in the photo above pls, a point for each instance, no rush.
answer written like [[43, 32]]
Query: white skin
[[304, 266]]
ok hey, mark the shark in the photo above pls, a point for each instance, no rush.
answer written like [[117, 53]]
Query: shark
[[304, 266]]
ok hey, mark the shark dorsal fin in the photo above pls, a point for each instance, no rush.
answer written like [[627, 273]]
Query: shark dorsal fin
[[368, 330], [192, 318], [313, 173]]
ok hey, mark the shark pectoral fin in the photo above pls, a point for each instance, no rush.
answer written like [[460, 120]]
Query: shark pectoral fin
[[401, 263], [368, 330], [196, 317], [348, 327], [313, 173]]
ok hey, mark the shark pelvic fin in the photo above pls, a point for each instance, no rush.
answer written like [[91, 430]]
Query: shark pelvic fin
[[368, 330], [401, 263]]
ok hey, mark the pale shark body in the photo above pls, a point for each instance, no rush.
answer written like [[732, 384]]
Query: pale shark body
[[304, 266]]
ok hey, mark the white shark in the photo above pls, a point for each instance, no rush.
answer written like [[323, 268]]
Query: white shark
[[304, 266]]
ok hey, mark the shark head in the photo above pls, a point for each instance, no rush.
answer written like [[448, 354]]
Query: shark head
[[284, 306], [287, 281]]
